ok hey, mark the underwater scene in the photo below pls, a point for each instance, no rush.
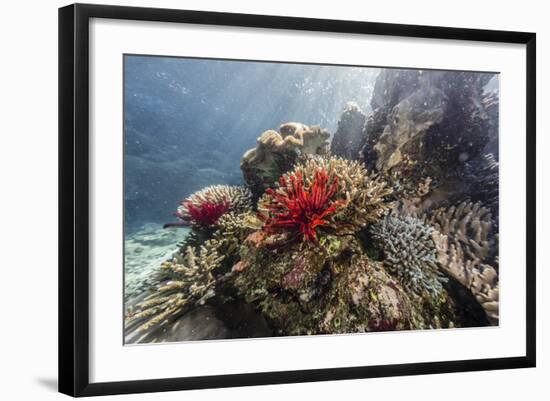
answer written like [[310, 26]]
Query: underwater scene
[[268, 199]]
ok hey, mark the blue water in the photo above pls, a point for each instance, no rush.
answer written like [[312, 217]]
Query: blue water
[[188, 121]]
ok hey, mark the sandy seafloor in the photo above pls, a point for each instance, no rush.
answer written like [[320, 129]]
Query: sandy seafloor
[[145, 249]]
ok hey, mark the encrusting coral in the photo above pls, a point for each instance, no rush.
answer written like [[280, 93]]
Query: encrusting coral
[[277, 152], [467, 250], [203, 208]]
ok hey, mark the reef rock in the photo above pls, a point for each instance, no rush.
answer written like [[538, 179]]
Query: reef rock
[[277, 152], [231, 320], [438, 119], [348, 136]]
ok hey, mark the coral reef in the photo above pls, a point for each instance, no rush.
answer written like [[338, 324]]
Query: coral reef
[[330, 195], [334, 289], [467, 250], [358, 240], [277, 152], [409, 253], [205, 207]]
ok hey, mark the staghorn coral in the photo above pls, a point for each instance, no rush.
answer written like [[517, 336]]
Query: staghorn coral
[[467, 250], [186, 281], [323, 195], [203, 208], [277, 152], [409, 253]]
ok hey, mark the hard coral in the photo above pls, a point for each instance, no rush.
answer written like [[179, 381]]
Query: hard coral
[[205, 207], [323, 195], [467, 250], [409, 253]]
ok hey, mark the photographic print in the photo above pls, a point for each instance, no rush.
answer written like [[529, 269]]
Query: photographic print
[[267, 199]]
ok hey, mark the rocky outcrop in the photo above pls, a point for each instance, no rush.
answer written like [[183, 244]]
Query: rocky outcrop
[[348, 136], [438, 119]]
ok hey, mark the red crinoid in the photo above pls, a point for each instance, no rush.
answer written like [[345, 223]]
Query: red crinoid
[[205, 213], [298, 208], [202, 213]]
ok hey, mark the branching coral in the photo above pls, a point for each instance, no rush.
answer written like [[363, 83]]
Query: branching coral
[[409, 253], [467, 250], [323, 195], [232, 230], [187, 281], [205, 207]]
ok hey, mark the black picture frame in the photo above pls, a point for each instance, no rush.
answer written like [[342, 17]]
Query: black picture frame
[[74, 198]]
